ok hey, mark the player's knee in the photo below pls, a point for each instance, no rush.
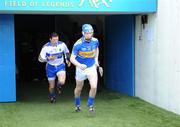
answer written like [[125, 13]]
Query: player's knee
[[93, 86], [51, 87], [93, 89], [78, 90]]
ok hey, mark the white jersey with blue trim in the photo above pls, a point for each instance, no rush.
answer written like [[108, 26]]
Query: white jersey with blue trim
[[50, 50]]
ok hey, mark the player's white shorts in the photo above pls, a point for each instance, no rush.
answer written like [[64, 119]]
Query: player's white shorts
[[82, 74]]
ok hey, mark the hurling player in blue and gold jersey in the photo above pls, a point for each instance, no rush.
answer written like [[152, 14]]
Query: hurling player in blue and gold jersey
[[84, 56]]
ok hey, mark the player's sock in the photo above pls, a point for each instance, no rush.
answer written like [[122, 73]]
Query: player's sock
[[52, 93], [90, 101], [52, 96], [77, 101], [77, 104], [59, 86]]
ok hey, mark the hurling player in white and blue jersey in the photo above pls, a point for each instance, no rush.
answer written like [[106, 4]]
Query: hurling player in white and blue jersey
[[52, 53], [84, 56]]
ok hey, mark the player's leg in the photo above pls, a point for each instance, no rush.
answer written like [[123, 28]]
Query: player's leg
[[61, 80], [80, 77], [92, 77], [77, 94], [50, 72], [52, 94], [61, 74]]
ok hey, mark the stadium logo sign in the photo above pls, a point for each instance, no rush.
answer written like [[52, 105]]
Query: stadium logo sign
[[96, 3]]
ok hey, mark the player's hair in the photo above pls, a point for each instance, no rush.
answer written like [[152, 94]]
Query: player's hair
[[54, 34]]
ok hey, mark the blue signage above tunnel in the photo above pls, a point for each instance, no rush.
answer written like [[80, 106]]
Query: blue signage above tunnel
[[77, 6]]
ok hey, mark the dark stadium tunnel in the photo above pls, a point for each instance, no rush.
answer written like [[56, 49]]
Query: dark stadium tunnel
[[32, 32], [114, 32]]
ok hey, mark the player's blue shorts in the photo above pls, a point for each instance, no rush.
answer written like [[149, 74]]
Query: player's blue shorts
[[52, 71]]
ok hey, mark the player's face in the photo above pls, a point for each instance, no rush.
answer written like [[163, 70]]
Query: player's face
[[88, 35], [54, 39]]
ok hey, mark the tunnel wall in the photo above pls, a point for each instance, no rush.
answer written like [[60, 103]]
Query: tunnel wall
[[119, 53], [7, 59]]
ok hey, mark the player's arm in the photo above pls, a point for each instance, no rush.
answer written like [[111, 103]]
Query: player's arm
[[67, 58], [97, 54], [97, 57], [67, 55], [73, 60], [42, 56], [76, 63], [100, 69]]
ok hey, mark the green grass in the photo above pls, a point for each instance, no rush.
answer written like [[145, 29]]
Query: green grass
[[33, 109]]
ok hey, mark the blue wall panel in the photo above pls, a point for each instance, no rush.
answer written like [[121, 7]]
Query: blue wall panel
[[7, 59], [119, 53]]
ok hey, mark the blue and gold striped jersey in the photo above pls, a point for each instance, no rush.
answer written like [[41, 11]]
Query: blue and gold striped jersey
[[85, 52]]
